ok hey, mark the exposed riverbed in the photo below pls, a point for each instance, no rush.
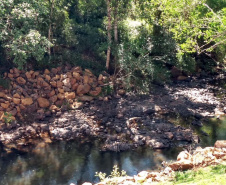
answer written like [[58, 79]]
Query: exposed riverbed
[[62, 163], [175, 117]]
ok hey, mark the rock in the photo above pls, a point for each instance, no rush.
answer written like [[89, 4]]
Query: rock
[[96, 92], [21, 81], [76, 75], [46, 72], [47, 77], [52, 93], [16, 95], [17, 71], [26, 101], [80, 89], [43, 102], [40, 114], [86, 89], [70, 95], [53, 99], [16, 101], [61, 90], [73, 81], [220, 144], [10, 76], [86, 79], [121, 92], [2, 95], [61, 96], [28, 75], [53, 107], [100, 78], [181, 165], [85, 98], [181, 78], [67, 82], [59, 84], [5, 105], [183, 155], [53, 84], [54, 71]]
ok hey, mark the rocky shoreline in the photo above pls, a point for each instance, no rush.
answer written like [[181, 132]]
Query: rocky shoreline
[[200, 157], [123, 122]]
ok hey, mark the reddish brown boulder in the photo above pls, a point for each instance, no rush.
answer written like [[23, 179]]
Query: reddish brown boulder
[[53, 83], [47, 77], [16, 101], [16, 95], [75, 86], [21, 80], [70, 95], [96, 92], [86, 79], [61, 96], [59, 84], [28, 75], [51, 93], [2, 95], [5, 105], [86, 98], [73, 81], [76, 75], [46, 72], [43, 103], [26, 101]]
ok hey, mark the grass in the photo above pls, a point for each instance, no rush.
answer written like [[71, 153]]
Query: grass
[[212, 175]]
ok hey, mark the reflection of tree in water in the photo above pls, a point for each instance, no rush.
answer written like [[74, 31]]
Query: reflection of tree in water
[[215, 128], [49, 165]]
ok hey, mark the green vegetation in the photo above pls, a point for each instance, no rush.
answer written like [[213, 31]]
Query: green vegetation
[[139, 41], [115, 173], [203, 176], [5, 83]]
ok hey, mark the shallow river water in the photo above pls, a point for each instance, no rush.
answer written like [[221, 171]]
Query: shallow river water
[[63, 163]]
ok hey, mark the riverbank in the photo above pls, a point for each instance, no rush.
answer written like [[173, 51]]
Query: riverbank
[[196, 160], [123, 122]]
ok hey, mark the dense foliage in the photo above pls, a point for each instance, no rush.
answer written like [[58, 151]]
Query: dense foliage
[[141, 39]]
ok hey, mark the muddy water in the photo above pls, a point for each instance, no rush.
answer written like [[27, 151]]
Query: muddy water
[[62, 163]]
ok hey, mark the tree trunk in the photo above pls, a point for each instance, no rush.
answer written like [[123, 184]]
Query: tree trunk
[[50, 25], [116, 23], [109, 33]]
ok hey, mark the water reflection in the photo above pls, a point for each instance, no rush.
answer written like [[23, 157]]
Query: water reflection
[[215, 129], [63, 163]]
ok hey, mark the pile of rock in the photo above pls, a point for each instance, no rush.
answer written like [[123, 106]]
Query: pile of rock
[[200, 158], [46, 92]]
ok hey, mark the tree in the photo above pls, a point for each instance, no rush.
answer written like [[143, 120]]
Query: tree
[[20, 35], [109, 28]]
